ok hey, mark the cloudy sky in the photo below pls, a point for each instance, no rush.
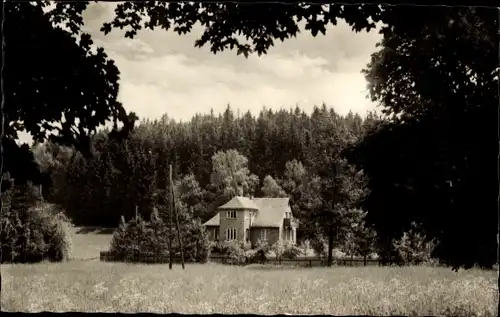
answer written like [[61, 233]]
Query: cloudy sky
[[163, 73]]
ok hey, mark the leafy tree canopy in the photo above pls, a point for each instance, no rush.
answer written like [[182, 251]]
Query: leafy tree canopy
[[437, 159], [227, 24], [69, 89], [55, 85]]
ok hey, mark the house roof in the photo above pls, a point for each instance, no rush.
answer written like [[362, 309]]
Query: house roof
[[239, 202], [214, 221], [271, 211]]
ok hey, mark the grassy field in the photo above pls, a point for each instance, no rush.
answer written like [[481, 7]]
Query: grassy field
[[94, 286], [90, 286], [88, 242]]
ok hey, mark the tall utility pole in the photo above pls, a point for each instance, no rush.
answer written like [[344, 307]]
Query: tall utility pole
[[179, 240], [170, 203]]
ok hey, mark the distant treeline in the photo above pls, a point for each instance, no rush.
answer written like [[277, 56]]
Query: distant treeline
[[123, 174]]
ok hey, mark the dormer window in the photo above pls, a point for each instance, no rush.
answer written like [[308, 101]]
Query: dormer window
[[231, 214]]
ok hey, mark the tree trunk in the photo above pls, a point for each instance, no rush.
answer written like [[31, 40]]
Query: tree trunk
[[170, 205], [2, 122], [330, 246], [498, 260]]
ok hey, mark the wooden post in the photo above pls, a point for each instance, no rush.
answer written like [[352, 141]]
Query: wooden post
[[170, 220], [179, 240]]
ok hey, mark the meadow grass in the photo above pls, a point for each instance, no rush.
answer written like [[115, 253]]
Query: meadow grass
[[87, 243], [88, 285], [92, 286]]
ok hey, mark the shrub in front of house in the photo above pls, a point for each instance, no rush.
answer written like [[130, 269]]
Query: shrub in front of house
[[292, 251], [233, 250], [220, 247], [278, 249], [33, 231], [217, 247], [320, 246], [260, 253]]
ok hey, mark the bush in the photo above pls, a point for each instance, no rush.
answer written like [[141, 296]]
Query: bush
[[217, 247], [320, 246], [139, 238], [291, 251], [234, 250], [278, 249], [260, 253], [58, 233], [412, 247], [196, 244], [33, 231]]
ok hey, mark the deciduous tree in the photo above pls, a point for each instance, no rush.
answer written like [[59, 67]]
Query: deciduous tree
[[271, 188], [43, 92], [432, 82], [230, 174]]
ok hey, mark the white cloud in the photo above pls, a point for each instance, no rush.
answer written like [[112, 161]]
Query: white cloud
[[162, 72], [182, 86]]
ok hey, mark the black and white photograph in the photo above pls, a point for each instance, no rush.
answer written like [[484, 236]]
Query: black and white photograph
[[269, 158]]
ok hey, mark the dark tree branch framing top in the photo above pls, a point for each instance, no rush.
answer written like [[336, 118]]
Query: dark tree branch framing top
[[227, 24], [54, 82], [254, 27]]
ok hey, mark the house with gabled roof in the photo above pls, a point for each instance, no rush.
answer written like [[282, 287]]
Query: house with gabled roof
[[252, 219]]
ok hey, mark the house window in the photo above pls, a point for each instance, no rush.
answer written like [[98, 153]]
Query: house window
[[216, 234], [248, 235], [263, 234], [231, 234], [231, 214], [288, 215]]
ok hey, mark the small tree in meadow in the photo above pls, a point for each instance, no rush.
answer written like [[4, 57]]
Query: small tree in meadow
[[349, 246], [196, 243], [365, 242], [129, 239], [413, 247], [159, 235]]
